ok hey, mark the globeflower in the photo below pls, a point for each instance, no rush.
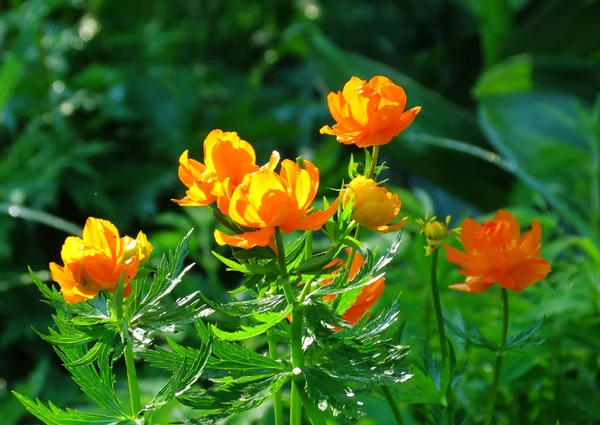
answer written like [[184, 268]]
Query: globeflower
[[228, 159], [367, 297], [266, 200], [374, 207], [496, 252], [98, 261], [369, 113]]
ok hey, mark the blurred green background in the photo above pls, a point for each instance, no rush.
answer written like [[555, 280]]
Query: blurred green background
[[98, 98]]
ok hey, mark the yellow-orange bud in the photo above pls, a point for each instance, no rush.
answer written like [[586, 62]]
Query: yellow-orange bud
[[374, 207]]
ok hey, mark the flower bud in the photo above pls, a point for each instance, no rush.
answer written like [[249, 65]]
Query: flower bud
[[374, 207]]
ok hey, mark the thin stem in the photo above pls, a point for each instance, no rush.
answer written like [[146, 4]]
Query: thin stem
[[390, 399], [438, 306], [134, 392], [499, 355], [277, 405], [442, 333], [296, 332], [371, 171]]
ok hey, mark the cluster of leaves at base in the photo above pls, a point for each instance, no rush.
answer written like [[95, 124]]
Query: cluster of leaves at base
[[341, 361], [108, 322]]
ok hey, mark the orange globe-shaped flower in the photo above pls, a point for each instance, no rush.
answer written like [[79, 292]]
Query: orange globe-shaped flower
[[267, 200], [98, 261], [374, 206], [228, 159], [496, 252], [367, 297], [369, 113]]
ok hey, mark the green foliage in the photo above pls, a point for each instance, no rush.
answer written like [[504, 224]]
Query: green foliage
[[98, 99]]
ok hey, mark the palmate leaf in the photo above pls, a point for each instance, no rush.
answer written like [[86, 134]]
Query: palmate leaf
[[272, 303], [520, 341], [353, 360], [227, 359], [474, 338], [95, 381], [52, 415], [328, 392], [268, 320], [151, 306], [182, 379], [232, 397], [168, 274]]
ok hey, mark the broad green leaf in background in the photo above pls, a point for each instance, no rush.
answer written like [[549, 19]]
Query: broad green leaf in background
[[529, 118], [560, 27]]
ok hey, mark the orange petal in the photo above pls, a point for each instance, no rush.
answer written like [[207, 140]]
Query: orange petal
[[515, 228], [391, 228], [365, 300], [189, 170], [102, 235], [246, 240], [313, 221]]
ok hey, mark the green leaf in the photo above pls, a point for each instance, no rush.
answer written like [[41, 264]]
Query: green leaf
[[543, 31], [512, 75], [474, 338], [419, 389], [182, 379], [495, 20], [268, 321], [54, 416], [96, 381], [248, 308], [229, 398], [227, 359], [519, 341]]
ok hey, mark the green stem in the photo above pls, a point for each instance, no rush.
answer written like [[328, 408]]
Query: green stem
[[438, 306], [390, 399], [296, 332], [374, 158], [277, 405], [134, 392], [499, 355], [442, 333]]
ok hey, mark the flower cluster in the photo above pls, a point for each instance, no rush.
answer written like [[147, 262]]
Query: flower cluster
[[99, 261]]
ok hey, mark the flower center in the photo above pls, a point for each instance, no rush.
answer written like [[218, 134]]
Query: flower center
[[496, 233]]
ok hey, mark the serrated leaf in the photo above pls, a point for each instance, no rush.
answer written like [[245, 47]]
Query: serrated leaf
[[100, 348], [247, 308], [316, 264], [474, 338], [54, 416], [518, 341], [227, 399], [269, 320], [96, 381], [182, 378]]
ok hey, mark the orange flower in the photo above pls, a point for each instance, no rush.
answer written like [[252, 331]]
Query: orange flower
[[369, 113], [369, 294], [496, 252], [98, 261], [266, 200], [228, 160], [374, 206]]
